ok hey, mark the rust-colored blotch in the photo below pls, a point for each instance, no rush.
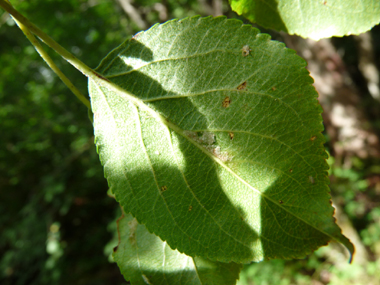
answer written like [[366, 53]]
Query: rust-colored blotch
[[226, 102], [242, 86], [246, 50]]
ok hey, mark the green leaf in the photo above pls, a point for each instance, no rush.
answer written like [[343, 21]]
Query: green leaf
[[314, 19], [145, 259], [212, 140]]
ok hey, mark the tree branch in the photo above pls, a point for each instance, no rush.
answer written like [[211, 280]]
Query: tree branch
[[133, 13]]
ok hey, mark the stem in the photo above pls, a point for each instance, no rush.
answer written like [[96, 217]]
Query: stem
[[87, 71], [52, 65]]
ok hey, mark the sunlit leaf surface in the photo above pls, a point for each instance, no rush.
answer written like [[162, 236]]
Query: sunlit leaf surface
[[214, 141]]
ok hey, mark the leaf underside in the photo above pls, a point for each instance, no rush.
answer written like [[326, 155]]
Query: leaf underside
[[143, 258], [313, 19], [214, 142]]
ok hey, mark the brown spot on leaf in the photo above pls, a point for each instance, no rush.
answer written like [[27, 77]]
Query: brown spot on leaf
[[231, 135], [115, 248], [246, 50], [191, 134], [273, 88], [132, 231], [291, 170], [313, 138], [207, 138], [226, 102], [223, 156], [164, 188], [132, 238], [281, 202], [190, 208], [204, 138], [242, 86]]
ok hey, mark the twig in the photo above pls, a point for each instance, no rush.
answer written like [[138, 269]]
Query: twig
[[133, 13], [162, 11], [217, 7], [87, 71], [366, 64], [94, 76], [52, 65]]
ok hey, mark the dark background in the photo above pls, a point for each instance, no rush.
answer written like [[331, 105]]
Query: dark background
[[57, 224]]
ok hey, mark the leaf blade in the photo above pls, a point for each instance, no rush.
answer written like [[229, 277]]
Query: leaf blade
[[144, 259], [218, 145]]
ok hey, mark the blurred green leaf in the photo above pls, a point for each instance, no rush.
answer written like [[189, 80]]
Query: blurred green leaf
[[314, 19], [143, 258]]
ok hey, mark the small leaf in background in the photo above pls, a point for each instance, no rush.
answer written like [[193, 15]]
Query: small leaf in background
[[313, 19], [213, 141], [143, 258]]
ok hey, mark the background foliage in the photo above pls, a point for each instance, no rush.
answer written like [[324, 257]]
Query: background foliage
[[58, 226], [312, 19]]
